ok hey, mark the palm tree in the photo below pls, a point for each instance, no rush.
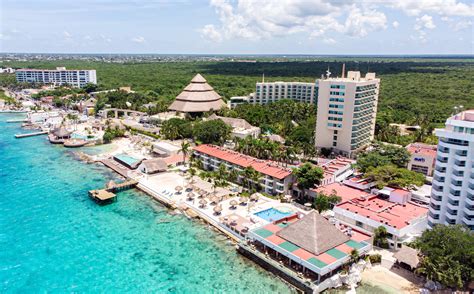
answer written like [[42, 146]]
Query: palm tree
[[192, 172], [185, 150], [354, 256]]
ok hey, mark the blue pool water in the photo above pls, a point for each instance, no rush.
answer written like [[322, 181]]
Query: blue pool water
[[126, 158], [53, 238], [79, 136], [272, 214]]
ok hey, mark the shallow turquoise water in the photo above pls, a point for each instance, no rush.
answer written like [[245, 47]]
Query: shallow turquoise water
[[53, 238]]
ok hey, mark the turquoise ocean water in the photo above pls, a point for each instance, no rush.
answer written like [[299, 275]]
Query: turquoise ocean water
[[53, 238]]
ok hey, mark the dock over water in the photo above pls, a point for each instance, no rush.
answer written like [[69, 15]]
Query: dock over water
[[112, 164], [19, 136], [107, 194]]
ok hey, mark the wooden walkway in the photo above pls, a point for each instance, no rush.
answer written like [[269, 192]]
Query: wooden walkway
[[115, 166], [18, 136], [107, 195]]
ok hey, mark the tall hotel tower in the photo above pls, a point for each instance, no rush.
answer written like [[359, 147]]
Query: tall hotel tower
[[346, 112], [452, 195]]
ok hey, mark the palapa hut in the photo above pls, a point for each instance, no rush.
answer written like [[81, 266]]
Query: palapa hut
[[217, 209], [197, 97], [151, 166], [407, 257], [202, 203]]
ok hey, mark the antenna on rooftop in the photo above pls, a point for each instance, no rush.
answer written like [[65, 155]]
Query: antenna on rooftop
[[328, 73], [343, 70], [263, 78]]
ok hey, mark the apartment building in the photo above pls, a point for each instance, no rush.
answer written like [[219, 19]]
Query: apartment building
[[346, 112], [57, 77], [452, 194], [267, 92], [274, 179], [422, 159]]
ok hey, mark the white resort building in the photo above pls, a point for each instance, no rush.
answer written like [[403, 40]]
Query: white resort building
[[267, 92], [59, 76], [240, 127], [346, 112], [274, 179], [452, 195]]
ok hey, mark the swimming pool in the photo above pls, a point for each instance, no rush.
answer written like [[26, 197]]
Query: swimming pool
[[273, 214], [127, 159], [80, 136]]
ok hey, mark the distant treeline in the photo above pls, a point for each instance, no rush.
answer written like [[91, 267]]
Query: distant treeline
[[413, 91]]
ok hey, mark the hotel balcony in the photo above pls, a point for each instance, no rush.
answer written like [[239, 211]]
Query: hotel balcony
[[437, 193], [441, 164], [452, 206], [457, 176], [469, 211], [443, 151], [436, 200], [436, 181], [433, 217], [460, 157], [439, 174], [453, 145], [470, 199], [467, 221], [452, 215]]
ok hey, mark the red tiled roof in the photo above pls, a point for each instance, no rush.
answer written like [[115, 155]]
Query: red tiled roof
[[345, 192], [263, 166], [422, 149], [389, 213]]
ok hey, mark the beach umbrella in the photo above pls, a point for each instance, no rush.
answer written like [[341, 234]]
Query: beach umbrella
[[189, 187], [242, 199], [254, 197], [307, 204], [191, 195], [217, 209], [233, 203], [214, 199], [202, 202], [178, 188]]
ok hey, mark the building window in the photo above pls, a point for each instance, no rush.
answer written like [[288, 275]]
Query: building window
[[359, 224]]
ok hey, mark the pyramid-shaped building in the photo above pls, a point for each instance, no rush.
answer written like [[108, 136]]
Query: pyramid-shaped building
[[197, 97]]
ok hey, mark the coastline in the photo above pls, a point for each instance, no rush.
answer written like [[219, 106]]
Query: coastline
[[104, 224]]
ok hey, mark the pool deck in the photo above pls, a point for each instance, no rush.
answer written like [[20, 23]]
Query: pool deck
[[162, 187]]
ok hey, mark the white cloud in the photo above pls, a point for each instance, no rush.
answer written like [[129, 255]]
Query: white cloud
[[424, 22], [138, 39], [67, 35], [260, 19], [329, 41], [105, 39], [395, 24], [441, 7], [209, 32], [462, 25], [359, 23]]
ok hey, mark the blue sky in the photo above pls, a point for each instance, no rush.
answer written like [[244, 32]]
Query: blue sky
[[238, 26]]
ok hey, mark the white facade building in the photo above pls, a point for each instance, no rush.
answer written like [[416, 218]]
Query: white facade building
[[452, 195], [267, 92], [346, 112], [58, 76]]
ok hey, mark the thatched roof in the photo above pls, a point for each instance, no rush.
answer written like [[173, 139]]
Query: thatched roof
[[155, 165], [198, 96], [233, 122], [407, 255], [313, 233], [61, 133]]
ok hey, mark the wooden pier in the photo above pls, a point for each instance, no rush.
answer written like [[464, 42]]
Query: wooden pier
[[17, 120], [19, 136], [115, 166], [108, 195]]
